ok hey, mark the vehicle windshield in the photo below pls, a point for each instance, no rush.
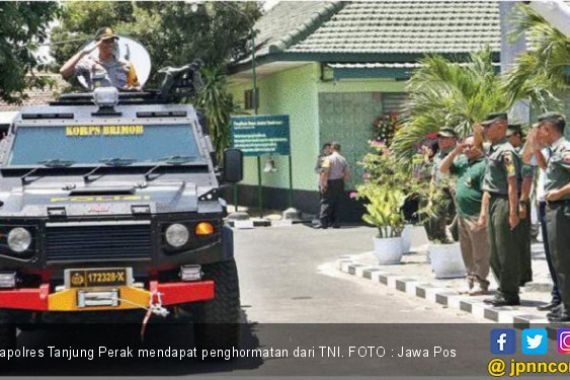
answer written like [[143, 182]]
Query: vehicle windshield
[[91, 144]]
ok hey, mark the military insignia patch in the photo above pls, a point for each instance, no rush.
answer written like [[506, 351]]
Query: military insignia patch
[[509, 165]]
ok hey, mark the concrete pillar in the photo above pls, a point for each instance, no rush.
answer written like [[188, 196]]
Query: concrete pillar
[[520, 112]]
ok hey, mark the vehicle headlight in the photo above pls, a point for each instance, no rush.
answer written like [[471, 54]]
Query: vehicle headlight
[[177, 235], [19, 239]]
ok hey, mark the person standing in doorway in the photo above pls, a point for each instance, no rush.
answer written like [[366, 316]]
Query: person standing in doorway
[[334, 175]]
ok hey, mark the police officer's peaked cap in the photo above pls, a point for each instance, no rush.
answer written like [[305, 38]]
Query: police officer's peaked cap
[[447, 132], [494, 117], [553, 117], [514, 129], [105, 34]]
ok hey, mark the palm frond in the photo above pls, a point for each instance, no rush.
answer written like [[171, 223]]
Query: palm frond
[[449, 94], [540, 73]]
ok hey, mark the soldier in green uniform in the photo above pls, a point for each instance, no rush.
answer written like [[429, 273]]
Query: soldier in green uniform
[[443, 207], [515, 137], [467, 164], [499, 210], [557, 187]]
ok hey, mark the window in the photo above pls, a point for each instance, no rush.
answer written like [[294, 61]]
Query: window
[[248, 99], [89, 144]]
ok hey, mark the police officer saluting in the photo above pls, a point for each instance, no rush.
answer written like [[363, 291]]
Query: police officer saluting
[[557, 187], [499, 210]]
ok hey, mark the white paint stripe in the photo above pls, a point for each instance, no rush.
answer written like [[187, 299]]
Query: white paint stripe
[[432, 292], [411, 288], [360, 270]]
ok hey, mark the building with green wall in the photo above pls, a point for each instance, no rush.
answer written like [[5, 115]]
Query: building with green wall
[[335, 67]]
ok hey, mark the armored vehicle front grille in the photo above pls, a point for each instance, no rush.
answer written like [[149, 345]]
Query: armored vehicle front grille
[[98, 241]]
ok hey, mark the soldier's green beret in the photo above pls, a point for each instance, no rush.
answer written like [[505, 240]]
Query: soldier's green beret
[[553, 117], [514, 129], [494, 117], [447, 132]]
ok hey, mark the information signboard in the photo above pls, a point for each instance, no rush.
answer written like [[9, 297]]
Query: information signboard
[[261, 135]]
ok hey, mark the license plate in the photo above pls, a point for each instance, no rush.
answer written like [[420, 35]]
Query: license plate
[[99, 277]]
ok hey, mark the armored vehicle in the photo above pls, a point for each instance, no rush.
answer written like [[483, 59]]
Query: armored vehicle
[[110, 204]]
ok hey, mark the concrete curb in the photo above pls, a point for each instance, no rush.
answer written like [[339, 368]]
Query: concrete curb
[[443, 296]]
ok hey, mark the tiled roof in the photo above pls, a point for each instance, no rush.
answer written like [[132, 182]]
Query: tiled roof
[[289, 21], [38, 96], [378, 27], [386, 65], [407, 27]]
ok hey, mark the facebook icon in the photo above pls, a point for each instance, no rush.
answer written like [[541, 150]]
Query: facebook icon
[[503, 341]]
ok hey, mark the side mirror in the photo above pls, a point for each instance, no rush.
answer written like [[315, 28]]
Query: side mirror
[[233, 165]]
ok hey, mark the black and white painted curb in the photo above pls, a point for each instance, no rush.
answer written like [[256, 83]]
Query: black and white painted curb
[[443, 296]]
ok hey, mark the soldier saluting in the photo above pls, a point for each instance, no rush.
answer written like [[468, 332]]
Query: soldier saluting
[[557, 186], [500, 209]]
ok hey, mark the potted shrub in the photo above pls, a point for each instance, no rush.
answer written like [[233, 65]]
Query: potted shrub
[[444, 254], [387, 184], [414, 234], [383, 211], [413, 237]]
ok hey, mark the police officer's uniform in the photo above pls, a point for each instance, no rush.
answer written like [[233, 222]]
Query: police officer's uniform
[[502, 164], [336, 167], [558, 216], [116, 72]]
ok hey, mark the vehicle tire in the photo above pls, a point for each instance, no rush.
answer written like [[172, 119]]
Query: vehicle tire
[[7, 331], [216, 323]]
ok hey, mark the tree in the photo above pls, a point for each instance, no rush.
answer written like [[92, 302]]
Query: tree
[[449, 94], [23, 27], [541, 73], [174, 33], [80, 20], [217, 105]]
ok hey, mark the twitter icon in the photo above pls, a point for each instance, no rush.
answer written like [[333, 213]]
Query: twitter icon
[[534, 342]]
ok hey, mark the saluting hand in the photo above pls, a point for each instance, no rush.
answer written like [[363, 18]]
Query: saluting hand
[[533, 139], [88, 49]]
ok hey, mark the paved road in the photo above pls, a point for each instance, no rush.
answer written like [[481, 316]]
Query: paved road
[[292, 296], [288, 275]]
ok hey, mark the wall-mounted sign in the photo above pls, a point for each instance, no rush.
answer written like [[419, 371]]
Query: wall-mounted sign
[[261, 134]]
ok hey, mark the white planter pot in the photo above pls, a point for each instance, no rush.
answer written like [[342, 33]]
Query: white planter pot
[[413, 238], [446, 260], [388, 251]]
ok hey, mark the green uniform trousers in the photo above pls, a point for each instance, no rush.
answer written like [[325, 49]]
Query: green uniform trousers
[[558, 227], [504, 246], [525, 251]]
